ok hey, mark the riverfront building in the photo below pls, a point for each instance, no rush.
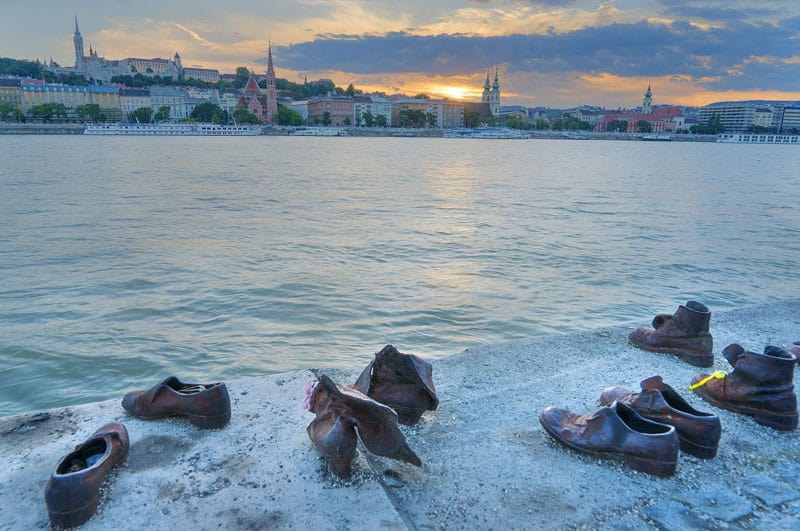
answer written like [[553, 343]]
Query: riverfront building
[[264, 104], [790, 121], [106, 97]]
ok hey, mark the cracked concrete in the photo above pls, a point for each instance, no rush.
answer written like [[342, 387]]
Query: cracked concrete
[[487, 463]]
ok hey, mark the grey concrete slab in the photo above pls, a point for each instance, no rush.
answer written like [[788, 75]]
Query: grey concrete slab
[[487, 463]]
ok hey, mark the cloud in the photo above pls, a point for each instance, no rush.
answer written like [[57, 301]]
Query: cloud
[[621, 49], [194, 35]]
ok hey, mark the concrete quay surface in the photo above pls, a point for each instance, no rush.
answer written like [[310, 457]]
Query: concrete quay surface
[[487, 463]]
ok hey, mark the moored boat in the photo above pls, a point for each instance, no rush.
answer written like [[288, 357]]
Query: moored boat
[[757, 138], [172, 129]]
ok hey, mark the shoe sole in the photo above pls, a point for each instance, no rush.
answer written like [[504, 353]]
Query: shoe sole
[[698, 360], [772, 419], [208, 422], [697, 450], [640, 464]]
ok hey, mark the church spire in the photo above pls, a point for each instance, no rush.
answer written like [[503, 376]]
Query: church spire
[[77, 31], [270, 68], [77, 40]]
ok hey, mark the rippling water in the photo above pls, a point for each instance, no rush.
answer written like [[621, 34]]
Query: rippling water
[[123, 260]]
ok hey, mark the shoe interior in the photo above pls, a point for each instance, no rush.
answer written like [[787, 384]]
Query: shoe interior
[[697, 306], [83, 458], [637, 423]]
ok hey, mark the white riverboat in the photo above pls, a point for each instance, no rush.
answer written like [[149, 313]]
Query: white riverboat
[[485, 132], [170, 129], [758, 138]]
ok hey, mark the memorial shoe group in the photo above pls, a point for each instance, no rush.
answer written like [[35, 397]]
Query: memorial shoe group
[[646, 429]]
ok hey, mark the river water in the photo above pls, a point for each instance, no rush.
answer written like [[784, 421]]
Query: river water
[[124, 260]]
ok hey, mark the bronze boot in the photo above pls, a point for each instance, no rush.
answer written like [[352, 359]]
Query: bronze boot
[[616, 432], [73, 492], [343, 411], [760, 385], [698, 432], [684, 334], [401, 381]]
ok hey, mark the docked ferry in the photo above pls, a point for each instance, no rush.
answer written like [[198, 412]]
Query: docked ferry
[[170, 129], [485, 132], [758, 138], [319, 131]]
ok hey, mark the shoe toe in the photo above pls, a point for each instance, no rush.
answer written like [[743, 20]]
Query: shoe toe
[[610, 394]]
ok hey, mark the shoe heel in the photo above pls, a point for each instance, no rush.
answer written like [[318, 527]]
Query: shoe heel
[[210, 422], [703, 452], [779, 421], [698, 360], [651, 466], [75, 517]]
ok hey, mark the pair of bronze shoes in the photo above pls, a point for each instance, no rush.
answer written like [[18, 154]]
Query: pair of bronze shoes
[[73, 491], [394, 387], [645, 430], [684, 334]]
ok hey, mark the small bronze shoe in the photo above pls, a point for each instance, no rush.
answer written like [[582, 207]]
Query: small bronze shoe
[[205, 405], [616, 432], [343, 411], [401, 381], [684, 334], [698, 432], [73, 492]]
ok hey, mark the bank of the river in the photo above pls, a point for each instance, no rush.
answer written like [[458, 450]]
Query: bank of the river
[[77, 129], [487, 463]]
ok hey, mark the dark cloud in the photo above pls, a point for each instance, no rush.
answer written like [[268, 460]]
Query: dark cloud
[[637, 49]]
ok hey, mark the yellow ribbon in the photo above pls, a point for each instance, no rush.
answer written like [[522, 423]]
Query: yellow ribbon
[[712, 376]]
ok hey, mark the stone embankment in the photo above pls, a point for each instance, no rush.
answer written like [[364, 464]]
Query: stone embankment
[[41, 129], [487, 463]]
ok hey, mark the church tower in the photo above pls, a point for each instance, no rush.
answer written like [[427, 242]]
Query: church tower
[[487, 88], [647, 102], [494, 96], [77, 39], [270, 91]]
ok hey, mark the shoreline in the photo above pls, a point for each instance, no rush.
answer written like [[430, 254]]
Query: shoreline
[[394, 132], [487, 463]]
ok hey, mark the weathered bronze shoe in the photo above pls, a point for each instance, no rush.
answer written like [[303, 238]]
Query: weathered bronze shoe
[[340, 412], [698, 432], [684, 334], [402, 382], [73, 492], [616, 432], [793, 348], [205, 405], [760, 385]]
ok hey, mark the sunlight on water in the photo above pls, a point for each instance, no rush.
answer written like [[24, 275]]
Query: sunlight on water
[[124, 260]]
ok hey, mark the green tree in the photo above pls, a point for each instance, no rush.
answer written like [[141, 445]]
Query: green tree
[[644, 126], [422, 96], [72, 79], [347, 121], [350, 90], [9, 112], [471, 118], [541, 124], [48, 112], [243, 116], [142, 115], [381, 121], [162, 114], [288, 116], [369, 119], [326, 118], [514, 122], [89, 112], [20, 67], [430, 119], [411, 118], [208, 112]]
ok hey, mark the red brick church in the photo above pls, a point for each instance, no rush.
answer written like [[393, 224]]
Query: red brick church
[[262, 103]]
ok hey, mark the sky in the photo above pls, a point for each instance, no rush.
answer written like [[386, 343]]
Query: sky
[[553, 53]]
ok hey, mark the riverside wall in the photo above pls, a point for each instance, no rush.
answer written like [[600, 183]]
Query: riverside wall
[[487, 463]]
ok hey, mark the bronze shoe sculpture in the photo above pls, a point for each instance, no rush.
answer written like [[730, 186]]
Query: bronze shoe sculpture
[[205, 405], [343, 411], [684, 334], [616, 432], [73, 492], [698, 432], [760, 385], [402, 382]]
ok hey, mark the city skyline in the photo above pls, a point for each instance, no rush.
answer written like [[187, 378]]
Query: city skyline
[[549, 52]]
